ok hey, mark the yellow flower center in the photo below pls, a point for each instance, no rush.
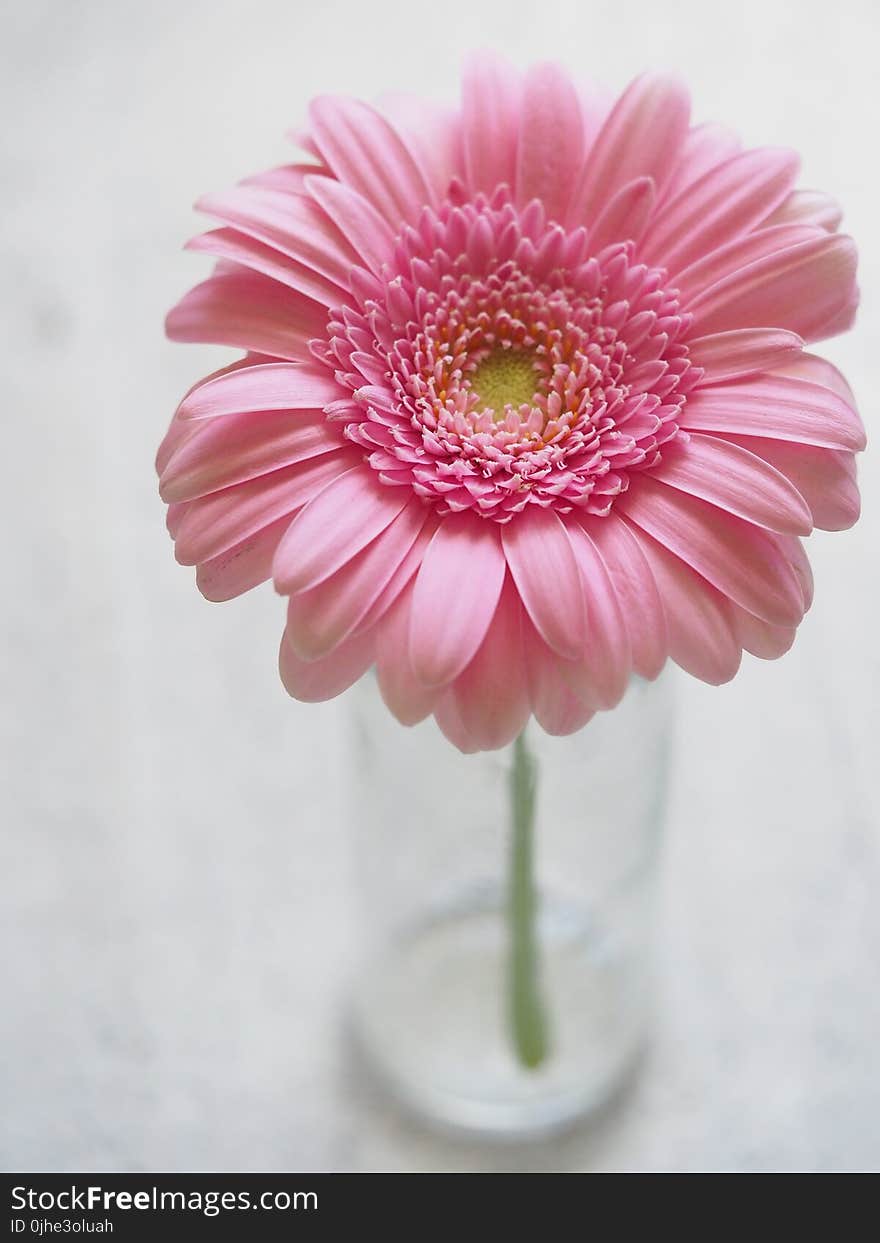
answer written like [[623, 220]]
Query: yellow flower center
[[505, 378]]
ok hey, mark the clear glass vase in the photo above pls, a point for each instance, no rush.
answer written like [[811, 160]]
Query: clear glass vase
[[431, 1005]]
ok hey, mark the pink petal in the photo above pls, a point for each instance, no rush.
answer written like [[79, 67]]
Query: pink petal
[[825, 478], [239, 447], [492, 694], [794, 550], [808, 207], [758, 637], [335, 525], [182, 429], [448, 717], [367, 154], [739, 559], [490, 121], [625, 217], [551, 140], [357, 219], [238, 249], [820, 371], [289, 177], [403, 574], [735, 480], [804, 289], [455, 596], [432, 133], [737, 255], [313, 681], [250, 312], [243, 566], [742, 352], [704, 147], [408, 699], [556, 707], [777, 407], [290, 223], [301, 137], [791, 549], [636, 591], [641, 138], [607, 658], [729, 200], [699, 618], [174, 517], [546, 573], [268, 386], [596, 103], [324, 616], [179, 429], [213, 524]]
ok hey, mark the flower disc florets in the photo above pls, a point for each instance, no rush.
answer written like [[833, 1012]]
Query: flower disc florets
[[503, 364]]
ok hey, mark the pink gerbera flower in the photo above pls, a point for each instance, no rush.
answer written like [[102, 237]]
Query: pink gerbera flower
[[525, 407]]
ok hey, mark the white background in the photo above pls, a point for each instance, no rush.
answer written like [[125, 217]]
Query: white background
[[175, 891]]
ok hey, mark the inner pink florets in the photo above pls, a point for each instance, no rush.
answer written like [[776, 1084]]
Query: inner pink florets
[[500, 362]]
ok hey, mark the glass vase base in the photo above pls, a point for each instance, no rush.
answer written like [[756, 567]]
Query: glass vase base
[[430, 1017]]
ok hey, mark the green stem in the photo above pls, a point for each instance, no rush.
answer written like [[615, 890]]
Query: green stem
[[528, 1025]]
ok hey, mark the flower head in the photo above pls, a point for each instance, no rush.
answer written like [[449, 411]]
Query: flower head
[[526, 405]]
